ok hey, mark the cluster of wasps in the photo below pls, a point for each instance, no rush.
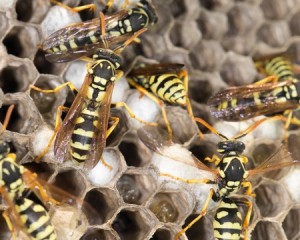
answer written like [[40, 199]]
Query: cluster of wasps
[[81, 137]]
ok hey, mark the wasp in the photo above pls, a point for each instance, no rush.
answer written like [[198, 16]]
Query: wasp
[[82, 39], [23, 213], [229, 177], [162, 83], [82, 135]]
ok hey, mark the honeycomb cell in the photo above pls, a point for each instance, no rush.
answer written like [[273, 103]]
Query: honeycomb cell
[[238, 70], [25, 10], [213, 25], [294, 24], [70, 181], [162, 234], [178, 8], [294, 51], [45, 67], [268, 231], [132, 223], [243, 45], [182, 29], [44, 170], [3, 26], [207, 56], [22, 41], [243, 18], [201, 84], [98, 234], [276, 9], [291, 224], [101, 204], [17, 77], [272, 199], [203, 227], [216, 5], [136, 188], [275, 34], [47, 103]]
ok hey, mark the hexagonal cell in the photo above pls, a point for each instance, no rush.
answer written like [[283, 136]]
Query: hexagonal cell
[[43, 66], [272, 199], [22, 41], [268, 231], [136, 188], [182, 29], [47, 103], [132, 223], [243, 45], [243, 17], [293, 141], [216, 5], [213, 25], [207, 56], [100, 205], [16, 78], [168, 207], [275, 34], [43, 170], [294, 24], [70, 181], [291, 224], [238, 70], [203, 227], [294, 51], [276, 9], [177, 8], [162, 234], [134, 152], [199, 84], [3, 26], [26, 10], [95, 234]]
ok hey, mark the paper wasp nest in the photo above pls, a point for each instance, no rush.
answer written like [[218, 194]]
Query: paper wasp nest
[[215, 40]]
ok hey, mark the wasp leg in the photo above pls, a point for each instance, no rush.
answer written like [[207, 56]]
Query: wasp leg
[[215, 159], [272, 79], [74, 9], [32, 182], [132, 115], [7, 117], [58, 88], [202, 213], [108, 132], [159, 102], [9, 224], [209, 127], [60, 109], [247, 216], [248, 186]]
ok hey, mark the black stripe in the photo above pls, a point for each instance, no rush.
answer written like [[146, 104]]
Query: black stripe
[[162, 83]]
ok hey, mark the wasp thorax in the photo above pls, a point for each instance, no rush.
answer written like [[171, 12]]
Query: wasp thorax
[[149, 9], [231, 146]]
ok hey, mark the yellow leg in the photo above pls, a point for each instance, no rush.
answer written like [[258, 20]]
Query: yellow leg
[[33, 183], [158, 101], [119, 74], [248, 186], [215, 159], [209, 127], [60, 109], [7, 117], [123, 104], [75, 9], [58, 88], [9, 224], [202, 213], [269, 79]]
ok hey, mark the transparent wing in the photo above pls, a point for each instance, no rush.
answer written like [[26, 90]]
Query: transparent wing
[[158, 144], [155, 69], [280, 159]]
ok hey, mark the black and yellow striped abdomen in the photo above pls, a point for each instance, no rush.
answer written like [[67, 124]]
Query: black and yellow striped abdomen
[[228, 221], [277, 66], [11, 176], [36, 219]]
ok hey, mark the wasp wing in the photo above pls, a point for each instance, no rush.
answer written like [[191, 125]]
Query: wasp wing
[[280, 159], [156, 143], [63, 137], [99, 140], [249, 101], [155, 69]]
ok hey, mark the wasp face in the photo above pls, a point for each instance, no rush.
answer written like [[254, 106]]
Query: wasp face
[[231, 146]]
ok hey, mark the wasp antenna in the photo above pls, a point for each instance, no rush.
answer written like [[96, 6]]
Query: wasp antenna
[[7, 117], [209, 127]]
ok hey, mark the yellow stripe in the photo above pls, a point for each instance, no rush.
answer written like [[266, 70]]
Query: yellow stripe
[[81, 146], [82, 132]]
